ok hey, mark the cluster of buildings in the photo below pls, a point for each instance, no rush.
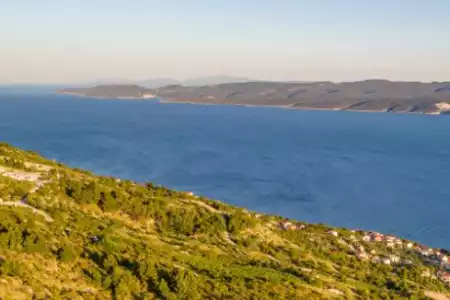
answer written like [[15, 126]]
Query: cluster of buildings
[[372, 256], [435, 257], [438, 259], [389, 240], [431, 256]]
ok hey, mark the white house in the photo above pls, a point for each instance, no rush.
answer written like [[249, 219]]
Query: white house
[[390, 244], [366, 238], [333, 233], [389, 239], [362, 255], [394, 259]]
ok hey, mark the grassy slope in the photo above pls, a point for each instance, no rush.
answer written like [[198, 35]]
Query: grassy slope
[[123, 240]]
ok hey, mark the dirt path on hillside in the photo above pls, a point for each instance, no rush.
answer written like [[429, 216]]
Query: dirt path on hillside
[[436, 296]]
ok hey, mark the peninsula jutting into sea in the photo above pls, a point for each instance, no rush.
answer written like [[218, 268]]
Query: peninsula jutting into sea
[[368, 95]]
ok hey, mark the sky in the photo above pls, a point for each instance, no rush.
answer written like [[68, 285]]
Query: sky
[[54, 41]]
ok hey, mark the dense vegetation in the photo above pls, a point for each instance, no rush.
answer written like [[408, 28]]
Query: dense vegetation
[[106, 238]]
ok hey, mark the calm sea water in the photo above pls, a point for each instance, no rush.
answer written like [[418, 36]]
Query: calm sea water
[[383, 172]]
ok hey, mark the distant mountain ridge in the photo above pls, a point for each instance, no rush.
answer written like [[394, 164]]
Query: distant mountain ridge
[[368, 95], [220, 79], [161, 82]]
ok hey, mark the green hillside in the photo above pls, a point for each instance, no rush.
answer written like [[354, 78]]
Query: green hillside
[[69, 234]]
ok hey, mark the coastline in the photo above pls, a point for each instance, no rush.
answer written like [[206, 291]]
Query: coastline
[[289, 107], [103, 97]]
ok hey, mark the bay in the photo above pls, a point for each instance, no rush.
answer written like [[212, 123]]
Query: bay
[[374, 171]]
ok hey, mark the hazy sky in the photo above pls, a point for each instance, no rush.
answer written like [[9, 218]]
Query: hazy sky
[[58, 41]]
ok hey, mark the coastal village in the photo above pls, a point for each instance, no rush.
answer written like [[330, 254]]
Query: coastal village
[[360, 244]]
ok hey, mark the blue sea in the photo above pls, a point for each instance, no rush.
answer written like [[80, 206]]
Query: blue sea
[[374, 171]]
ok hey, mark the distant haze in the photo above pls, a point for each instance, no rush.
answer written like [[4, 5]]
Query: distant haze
[[83, 42], [160, 82]]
